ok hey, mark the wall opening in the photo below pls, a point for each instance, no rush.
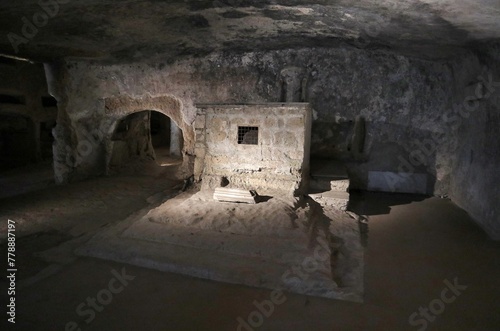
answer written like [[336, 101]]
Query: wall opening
[[146, 136], [248, 135], [17, 141], [46, 139], [166, 138], [48, 101], [12, 99]]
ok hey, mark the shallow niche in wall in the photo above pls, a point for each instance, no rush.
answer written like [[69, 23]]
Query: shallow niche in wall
[[17, 141], [46, 138], [146, 135]]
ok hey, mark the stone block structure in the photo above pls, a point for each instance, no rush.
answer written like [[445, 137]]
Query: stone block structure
[[264, 147]]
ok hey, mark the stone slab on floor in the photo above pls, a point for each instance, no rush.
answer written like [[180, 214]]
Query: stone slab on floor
[[234, 195], [281, 250], [210, 264], [398, 182], [337, 199], [252, 260]]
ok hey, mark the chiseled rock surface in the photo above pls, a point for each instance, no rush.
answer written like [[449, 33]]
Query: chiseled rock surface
[[114, 30], [413, 123]]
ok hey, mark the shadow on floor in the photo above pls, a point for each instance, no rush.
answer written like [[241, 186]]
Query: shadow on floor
[[366, 204], [379, 203], [26, 179]]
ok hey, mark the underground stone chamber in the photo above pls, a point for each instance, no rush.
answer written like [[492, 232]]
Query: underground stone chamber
[[370, 130]]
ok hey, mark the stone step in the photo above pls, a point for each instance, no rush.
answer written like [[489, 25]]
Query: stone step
[[336, 199], [318, 184], [340, 185], [292, 249], [328, 169], [213, 265], [328, 175]]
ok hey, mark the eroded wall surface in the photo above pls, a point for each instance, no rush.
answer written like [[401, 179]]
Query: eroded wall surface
[[399, 97], [474, 126], [275, 159], [402, 100]]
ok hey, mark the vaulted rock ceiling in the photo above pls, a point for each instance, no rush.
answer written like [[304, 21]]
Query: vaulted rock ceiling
[[131, 30]]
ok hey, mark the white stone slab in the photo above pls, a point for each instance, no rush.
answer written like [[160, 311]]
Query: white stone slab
[[400, 182], [234, 195]]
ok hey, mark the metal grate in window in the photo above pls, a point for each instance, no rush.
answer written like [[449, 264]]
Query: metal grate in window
[[248, 135]]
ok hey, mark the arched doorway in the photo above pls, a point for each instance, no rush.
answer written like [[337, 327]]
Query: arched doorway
[[166, 138], [146, 136]]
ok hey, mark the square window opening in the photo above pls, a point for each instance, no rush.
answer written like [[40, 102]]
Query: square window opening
[[248, 135]]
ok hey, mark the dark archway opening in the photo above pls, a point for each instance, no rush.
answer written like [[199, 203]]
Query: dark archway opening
[[146, 136], [17, 142], [166, 138], [46, 139]]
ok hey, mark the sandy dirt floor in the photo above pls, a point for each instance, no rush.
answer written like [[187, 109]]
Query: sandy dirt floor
[[253, 244], [414, 248]]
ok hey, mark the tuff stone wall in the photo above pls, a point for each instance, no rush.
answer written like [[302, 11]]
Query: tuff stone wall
[[278, 162], [475, 123], [400, 99], [405, 104]]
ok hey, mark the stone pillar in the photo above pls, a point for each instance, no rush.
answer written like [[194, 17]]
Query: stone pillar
[[65, 144], [357, 144], [293, 84], [175, 139]]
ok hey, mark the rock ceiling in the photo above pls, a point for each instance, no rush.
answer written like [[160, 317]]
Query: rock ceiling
[[136, 30]]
